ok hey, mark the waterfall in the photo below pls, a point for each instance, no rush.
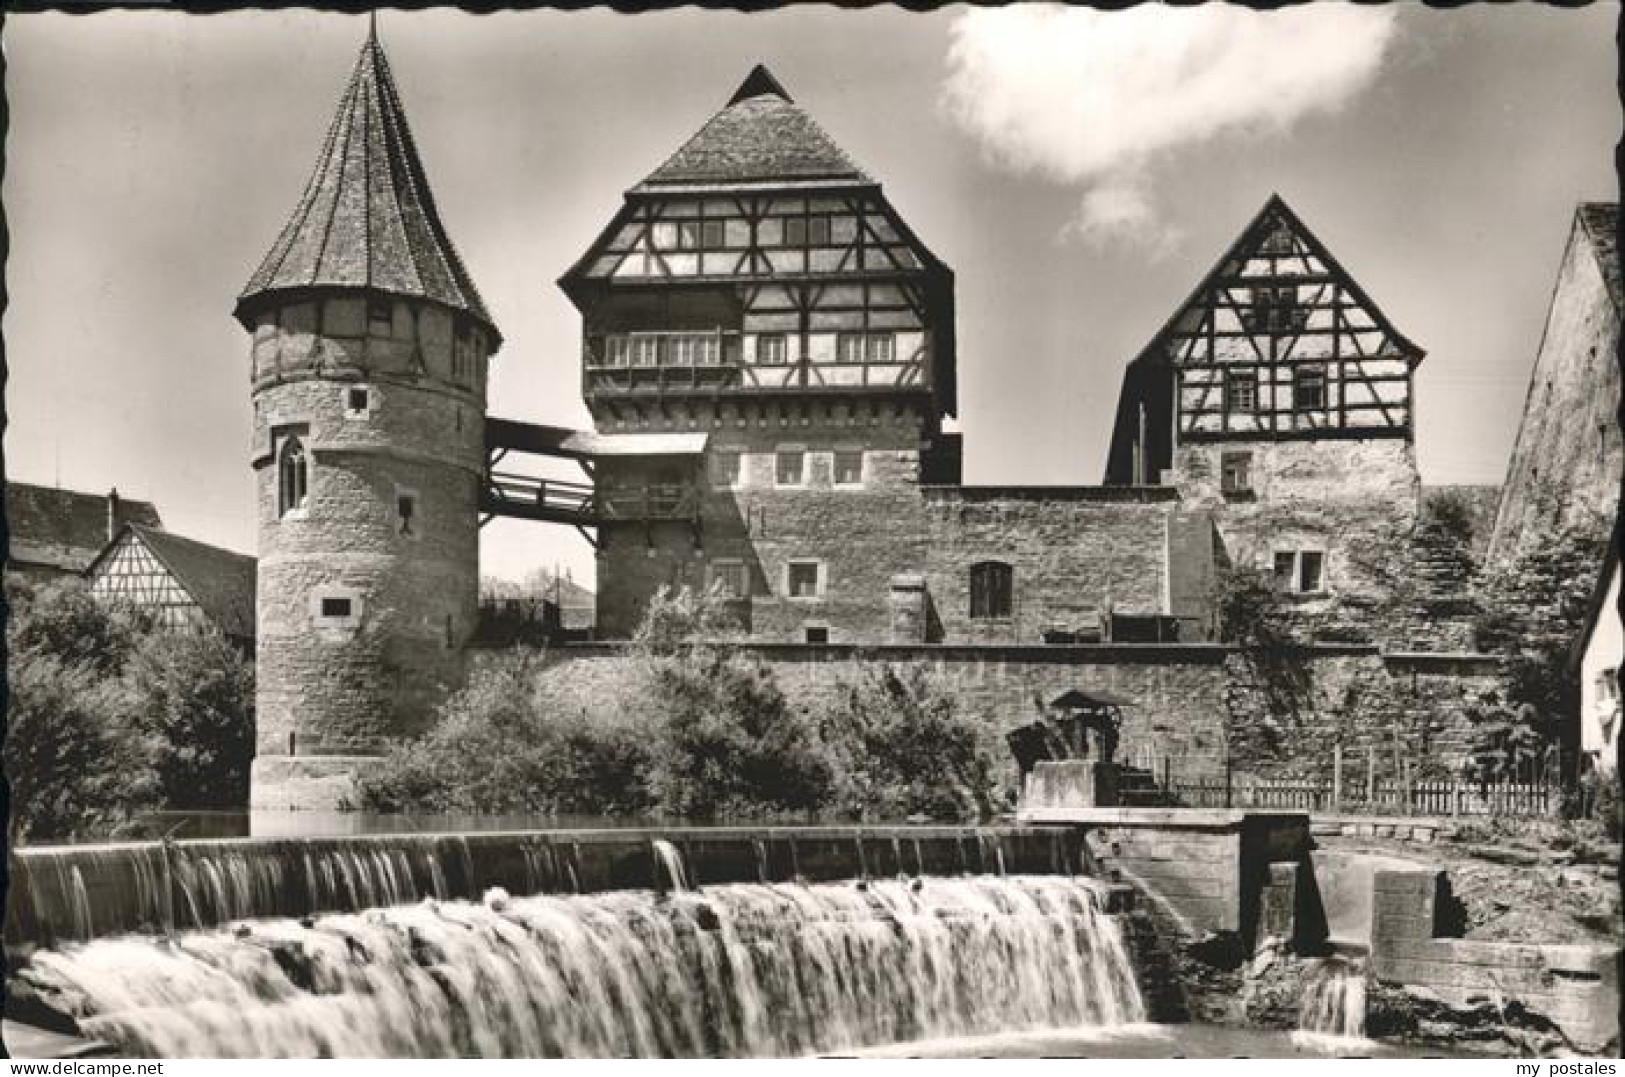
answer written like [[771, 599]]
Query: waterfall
[[743, 969], [1333, 997], [671, 862]]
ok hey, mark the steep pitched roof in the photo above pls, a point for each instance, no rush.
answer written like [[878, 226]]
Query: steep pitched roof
[[1600, 221], [64, 529], [1276, 209], [760, 136], [220, 581], [367, 218]]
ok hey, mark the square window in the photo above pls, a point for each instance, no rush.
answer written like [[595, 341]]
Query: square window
[[729, 577], [645, 351], [801, 579], [725, 467], [1236, 472], [788, 467], [817, 633], [711, 235], [1286, 567], [848, 467], [356, 401], [1309, 388], [771, 349], [1311, 564], [335, 607], [1240, 390]]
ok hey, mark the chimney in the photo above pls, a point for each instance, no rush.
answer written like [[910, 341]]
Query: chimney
[[112, 513]]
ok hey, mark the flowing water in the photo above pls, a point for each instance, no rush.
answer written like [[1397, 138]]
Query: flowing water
[[1333, 997], [743, 969]]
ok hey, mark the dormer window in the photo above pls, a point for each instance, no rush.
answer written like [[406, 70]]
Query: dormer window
[[292, 477]]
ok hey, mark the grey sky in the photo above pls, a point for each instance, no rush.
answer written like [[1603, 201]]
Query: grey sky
[[152, 158]]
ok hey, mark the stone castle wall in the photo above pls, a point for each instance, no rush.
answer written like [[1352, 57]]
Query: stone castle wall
[[1568, 456], [1194, 705]]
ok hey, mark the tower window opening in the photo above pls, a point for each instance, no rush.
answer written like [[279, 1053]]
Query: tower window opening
[[992, 590], [1309, 388], [380, 318], [462, 355], [405, 511], [451, 631], [1240, 391], [357, 402], [293, 477], [698, 235]]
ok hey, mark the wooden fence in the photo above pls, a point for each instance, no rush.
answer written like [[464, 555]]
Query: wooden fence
[[1435, 798], [1528, 795]]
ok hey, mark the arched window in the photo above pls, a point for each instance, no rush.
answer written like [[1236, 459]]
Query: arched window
[[992, 584], [292, 477]]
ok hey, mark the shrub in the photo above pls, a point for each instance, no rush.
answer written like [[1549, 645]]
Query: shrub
[[900, 747], [195, 697]]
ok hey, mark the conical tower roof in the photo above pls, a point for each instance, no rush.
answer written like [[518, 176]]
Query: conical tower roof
[[368, 219], [759, 137]]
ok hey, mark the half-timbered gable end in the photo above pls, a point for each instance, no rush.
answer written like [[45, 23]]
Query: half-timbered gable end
[[181, 583], [1278, 342], [760, 259]]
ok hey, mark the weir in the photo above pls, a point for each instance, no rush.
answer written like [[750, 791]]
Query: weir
[[75, 893], [683, 965]]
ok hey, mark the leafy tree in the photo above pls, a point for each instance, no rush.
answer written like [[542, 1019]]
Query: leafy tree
[[77, 761], [512, 742], [195, 698], [899, 747], [1534, 608]]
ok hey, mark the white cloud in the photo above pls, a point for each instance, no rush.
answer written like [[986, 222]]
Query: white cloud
[[1098, 98]]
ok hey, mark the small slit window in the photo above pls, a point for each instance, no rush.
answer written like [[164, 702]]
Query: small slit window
[[992, 584], [293, 477], [406, 507], [336, 607], [817, 633], [357, 402]]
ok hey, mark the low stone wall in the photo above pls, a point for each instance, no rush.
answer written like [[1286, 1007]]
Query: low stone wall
[[1207, 870]]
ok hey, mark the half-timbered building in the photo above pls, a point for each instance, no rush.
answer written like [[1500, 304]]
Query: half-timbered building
[[1279, 396], [182, 584], [768, 355]]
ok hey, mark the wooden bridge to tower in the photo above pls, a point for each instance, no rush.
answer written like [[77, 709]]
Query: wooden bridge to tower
[[511, 489]]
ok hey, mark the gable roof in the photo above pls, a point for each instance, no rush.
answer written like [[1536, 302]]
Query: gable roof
[[65, 529], [1600, 223], [1275, 209], [367, 218], [761, 135], [220, 581]]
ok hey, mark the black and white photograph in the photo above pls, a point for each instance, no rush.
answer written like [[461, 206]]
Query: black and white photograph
[[977, 532]]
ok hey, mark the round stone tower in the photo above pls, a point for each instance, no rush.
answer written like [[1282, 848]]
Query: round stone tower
[[369, 371]]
